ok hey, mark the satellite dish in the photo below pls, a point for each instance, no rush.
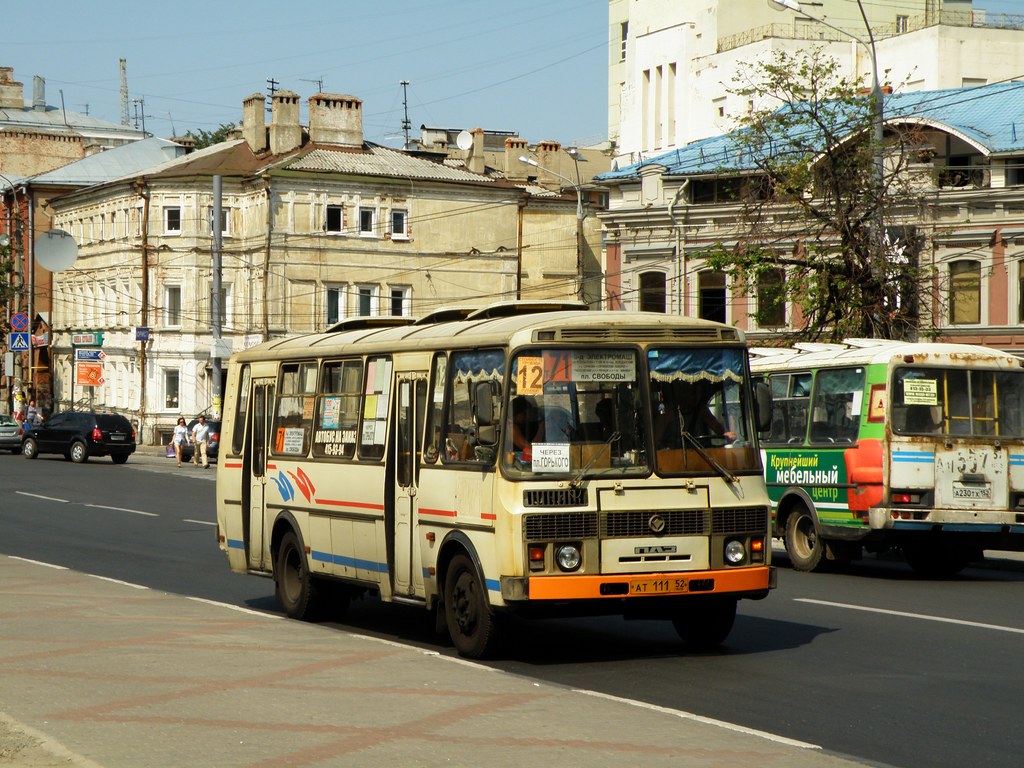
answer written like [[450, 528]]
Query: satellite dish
[[56, 250], [464, 140]]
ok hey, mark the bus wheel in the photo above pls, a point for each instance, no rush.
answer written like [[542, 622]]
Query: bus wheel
[[935, 560], [295, 589], [705, 625], [805, 548], [467, 611]]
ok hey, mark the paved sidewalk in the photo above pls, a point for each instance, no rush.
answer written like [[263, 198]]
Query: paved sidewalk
[[100, 674]]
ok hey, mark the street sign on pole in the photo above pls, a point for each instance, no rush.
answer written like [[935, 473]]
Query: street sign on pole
[[18, 342], [90, 355], [19, 321]]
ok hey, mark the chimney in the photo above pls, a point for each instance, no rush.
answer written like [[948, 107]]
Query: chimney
[[38, 94], [11, 95], [254, 123], [475, 160], [547, 156], [285, 131], [515, 147], [336, 119]]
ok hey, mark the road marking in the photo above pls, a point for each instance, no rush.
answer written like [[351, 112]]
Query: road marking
[[117, 581], [44, 498], [231, 607], [701, 719], [122, 509], [907, 615], [198, 522], [38, 562]]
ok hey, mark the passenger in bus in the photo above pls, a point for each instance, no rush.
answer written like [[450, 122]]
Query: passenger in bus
[[524, 428], [684, 406]]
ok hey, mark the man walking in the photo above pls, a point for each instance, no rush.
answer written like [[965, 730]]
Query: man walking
[[201, 439]]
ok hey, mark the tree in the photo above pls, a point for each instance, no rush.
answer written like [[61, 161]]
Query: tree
[[811, 205], [203, 139]]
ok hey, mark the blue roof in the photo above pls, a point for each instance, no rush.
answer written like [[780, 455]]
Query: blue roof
[[989, 116], [113, 163]]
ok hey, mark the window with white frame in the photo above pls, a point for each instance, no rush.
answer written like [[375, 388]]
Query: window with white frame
[[172, 220], [334, 219], [334, 304], [965, 292], [366, 298], [902, 24], [401, 301], [225, 305], [367, 222], [399, 224], [711, 296], [172, 305], [172, 382], [225, 221]]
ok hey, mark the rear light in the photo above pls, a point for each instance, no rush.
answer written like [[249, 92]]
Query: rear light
[[97, 435], [536, 554], [215, 437], [904, 497]]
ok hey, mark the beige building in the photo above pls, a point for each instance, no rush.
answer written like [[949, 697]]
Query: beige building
[[318, 226]]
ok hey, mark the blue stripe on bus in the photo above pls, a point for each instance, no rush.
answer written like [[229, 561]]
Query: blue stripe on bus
[[493, 585], [914, 457], [1016, 460], [351, 562], [235, 544], [924, 525]]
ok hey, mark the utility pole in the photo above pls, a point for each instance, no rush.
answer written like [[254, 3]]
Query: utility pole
[[406, 125], [124, 94], [215, 304]]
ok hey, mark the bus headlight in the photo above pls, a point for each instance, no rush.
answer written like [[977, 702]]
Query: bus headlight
[[568, 557], [735, 552]]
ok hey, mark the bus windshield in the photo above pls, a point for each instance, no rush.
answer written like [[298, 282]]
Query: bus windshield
[[958, 401], [590, 412]]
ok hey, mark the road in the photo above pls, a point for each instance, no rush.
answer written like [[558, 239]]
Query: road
[[874, 663]]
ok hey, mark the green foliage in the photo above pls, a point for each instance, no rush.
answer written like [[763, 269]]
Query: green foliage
[[205, 139], [823, 210]]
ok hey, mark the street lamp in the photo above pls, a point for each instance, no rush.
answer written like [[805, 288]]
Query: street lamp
[[877, 114], [580, 215]]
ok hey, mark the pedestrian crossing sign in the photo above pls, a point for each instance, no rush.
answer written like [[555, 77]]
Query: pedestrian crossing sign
[[18, 342]]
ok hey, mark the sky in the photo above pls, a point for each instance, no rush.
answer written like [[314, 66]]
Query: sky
[[536, 67]]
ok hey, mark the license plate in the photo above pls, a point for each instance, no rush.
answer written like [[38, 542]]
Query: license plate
[[972, 491], [671, 586], [117, 437]]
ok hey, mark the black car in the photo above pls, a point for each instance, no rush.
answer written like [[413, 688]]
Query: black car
[[81, 434], [211, 450]]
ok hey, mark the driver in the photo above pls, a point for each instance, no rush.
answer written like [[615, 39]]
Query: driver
[[683, 404]]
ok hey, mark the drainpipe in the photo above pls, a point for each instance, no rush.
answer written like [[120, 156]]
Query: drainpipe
[[143, 192], [680, 247], [266, 258]]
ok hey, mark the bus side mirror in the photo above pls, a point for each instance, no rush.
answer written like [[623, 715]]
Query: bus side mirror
[[762, 406], [483, 404]]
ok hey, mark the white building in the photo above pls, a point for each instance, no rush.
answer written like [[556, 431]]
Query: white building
[[672, 64]]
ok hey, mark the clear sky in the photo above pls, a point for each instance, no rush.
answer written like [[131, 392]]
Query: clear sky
[[538, 67]]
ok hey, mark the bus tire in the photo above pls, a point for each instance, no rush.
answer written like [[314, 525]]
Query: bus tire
[[467, 610], [295, 588], [704, 625], [804, 544]]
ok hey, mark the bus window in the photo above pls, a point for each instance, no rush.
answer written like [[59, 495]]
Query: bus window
[[467, 370], [242, 408], [375, 408], [838, 396], [337, 413], [790, 407], [293, 415], [435, 411]]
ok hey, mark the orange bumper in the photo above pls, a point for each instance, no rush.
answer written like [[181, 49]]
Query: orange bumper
[[621, 585]]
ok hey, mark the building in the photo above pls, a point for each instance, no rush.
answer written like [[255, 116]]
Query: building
[[663, 216], [672, 65], [317, 226]]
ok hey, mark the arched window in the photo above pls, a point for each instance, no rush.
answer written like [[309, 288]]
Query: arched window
[[964, 292], [652, 292], [711, 296], [771, 298]]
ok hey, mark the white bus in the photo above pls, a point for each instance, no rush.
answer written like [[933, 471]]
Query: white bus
[[517, 458], [894, 445]]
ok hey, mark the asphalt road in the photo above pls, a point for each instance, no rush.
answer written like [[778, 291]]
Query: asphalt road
[[874, 662]]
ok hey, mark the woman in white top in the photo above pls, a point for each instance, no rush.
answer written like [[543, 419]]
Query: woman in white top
[[180, 438]]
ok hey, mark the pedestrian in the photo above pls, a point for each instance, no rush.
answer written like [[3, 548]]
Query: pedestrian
[[180, 438], [201, 439], [31, 413]]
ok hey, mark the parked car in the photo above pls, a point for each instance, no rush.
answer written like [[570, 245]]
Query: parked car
[[10, 433], [187, 451], [79, 435]]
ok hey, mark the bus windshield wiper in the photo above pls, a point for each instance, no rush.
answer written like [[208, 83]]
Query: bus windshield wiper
[[577, 480], [725, 473]]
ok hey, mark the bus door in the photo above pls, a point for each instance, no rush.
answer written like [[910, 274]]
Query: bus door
[[261, 401], [409, 404]]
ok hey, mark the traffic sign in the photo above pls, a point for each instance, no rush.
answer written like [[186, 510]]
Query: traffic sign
[[18, 342], [89, 374], [92, 355], [19, 321]]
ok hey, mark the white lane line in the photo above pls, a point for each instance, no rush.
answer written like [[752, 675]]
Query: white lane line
[[38, 562], [907, 615], [231, 607], [701, 719], [198, 522], [117, 581], [122, 509], [44, 498]]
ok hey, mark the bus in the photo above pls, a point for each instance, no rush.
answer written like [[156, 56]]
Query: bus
[[888, 445], [496, 461]]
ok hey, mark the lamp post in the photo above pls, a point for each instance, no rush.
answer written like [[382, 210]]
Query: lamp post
[[10, 239], [580, 215]]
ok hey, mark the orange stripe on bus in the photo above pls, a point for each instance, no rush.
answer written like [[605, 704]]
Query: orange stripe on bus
[[488, 516], [438, 512], [356, 504], [233, 465], [589, 587]]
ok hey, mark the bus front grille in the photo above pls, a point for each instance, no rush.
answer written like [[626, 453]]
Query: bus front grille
[[740, 520], [561, 525], [673, 522], [556, 497]]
